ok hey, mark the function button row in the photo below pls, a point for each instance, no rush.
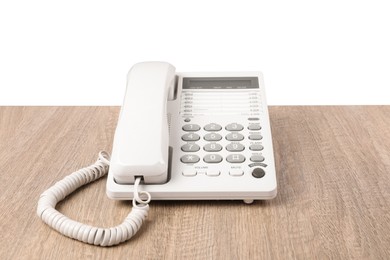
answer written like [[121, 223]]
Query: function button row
[[213, 158], [215, 147], [218, 137], [213, 127], [232, 172]]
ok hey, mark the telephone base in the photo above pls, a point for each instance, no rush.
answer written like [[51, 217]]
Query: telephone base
[[201, 188]]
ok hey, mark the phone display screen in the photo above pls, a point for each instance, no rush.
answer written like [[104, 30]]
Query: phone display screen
[[221, 83]]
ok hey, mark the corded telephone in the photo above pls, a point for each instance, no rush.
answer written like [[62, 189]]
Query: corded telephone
[[180, 136]]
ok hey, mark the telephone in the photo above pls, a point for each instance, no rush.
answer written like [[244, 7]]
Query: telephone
[[180, 136]]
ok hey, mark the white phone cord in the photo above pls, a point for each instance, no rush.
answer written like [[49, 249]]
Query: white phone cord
[[82, 232]]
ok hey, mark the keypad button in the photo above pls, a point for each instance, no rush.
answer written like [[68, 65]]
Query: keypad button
[[255, 137], [256, 147], [212, 127], [212, 158], [191, 127], [212, 137], [213, 173], [235, 158], [190, 147], [212, 147], [254, 127], [235, 147], [190, 137], [189, 172], [236, 172], [258, 173], [234, 127], [257, 158], [189, 158], [234, 137]]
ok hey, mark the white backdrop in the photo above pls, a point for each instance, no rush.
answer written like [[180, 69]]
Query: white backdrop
[[78, 52]]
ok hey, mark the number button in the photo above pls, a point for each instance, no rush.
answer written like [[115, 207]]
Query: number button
[[235, 158], [254, 127], [212, 147], [190, 147], [212, 137], [189, 158], [190, 137], [234, 127], [255, 137], [234, 137], [212, 158], [235, 147], [191, 128], [212, 127]]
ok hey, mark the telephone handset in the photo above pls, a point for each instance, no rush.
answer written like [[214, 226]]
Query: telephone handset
[[180, 136], [141, 138]]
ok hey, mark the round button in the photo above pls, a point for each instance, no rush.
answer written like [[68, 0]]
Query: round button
[[258, 173]]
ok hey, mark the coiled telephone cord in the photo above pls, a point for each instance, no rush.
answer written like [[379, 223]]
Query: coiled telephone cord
[[82, 232]]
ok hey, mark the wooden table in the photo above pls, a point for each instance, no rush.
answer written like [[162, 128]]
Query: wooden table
[[333, 171]]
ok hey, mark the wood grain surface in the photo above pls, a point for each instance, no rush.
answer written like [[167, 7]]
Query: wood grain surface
[[333, 202]]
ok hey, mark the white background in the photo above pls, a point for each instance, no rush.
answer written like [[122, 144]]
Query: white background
[[78, 52]]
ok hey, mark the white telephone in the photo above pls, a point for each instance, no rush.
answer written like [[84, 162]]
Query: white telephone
[[180, 136], [216, 125]]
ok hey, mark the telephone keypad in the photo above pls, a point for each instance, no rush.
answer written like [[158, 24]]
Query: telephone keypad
[[233, 150]]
